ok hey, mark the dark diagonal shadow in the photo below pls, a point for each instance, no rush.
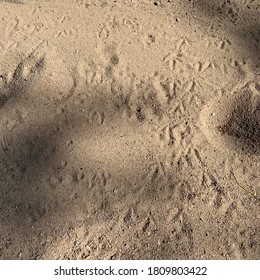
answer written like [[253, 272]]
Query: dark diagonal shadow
[[47, 178], [231, 18]]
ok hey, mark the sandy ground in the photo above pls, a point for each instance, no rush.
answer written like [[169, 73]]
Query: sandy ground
[[129, 129]]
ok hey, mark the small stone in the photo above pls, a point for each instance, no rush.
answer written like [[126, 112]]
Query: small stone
[[63, 163]]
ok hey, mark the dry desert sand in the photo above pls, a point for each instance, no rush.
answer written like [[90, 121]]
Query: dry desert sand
[[129, 129]]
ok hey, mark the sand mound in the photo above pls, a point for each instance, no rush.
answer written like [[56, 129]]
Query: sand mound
[[232, 122]]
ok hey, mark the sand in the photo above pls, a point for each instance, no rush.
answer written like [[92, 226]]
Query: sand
[[129, 129]]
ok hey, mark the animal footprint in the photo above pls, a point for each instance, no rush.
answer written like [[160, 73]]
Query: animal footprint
[[99, 180], [14, 80], [182, 229]]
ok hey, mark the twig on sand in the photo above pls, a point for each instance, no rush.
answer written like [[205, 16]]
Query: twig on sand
[[248, 191]]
